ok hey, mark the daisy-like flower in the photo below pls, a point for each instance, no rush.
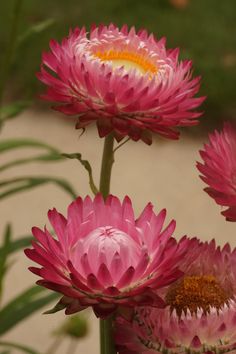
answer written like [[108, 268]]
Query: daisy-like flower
[[219, 169], [126, 81], [104, 258], [201, 312]]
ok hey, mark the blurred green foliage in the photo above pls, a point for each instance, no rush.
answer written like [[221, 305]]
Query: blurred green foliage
[[205, 30]]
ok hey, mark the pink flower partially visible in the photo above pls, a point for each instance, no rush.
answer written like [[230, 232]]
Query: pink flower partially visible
[[201, 316], [219, 169], [104, 258], [126, 81]]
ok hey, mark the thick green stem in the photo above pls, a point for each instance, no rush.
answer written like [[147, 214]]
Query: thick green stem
[[107, 345], [107, 162]]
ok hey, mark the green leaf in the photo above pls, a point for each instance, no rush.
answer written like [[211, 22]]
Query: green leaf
[[58, 307], [39, 158], [14, 109], [4, 254], [10, 144], [16, 245], [36, 29], [87, 166], [23, 306], [22, 348], [21, 184], [6, 249]]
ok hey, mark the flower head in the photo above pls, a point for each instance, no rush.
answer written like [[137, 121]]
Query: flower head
[[126, 81], [219, 169], [104, 258], [201, 312]]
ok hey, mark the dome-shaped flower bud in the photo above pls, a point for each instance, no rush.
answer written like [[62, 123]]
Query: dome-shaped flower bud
[[104, 258]]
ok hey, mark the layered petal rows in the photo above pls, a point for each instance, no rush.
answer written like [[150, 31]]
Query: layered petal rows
[[104, 258], [204, 330], [126, 81], [219, 169]]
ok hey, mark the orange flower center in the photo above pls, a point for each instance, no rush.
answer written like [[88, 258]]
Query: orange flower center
[[129, 60], [196, 292]]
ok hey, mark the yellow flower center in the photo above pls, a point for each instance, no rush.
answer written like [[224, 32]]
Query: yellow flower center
[[129, 60], [196, 292]]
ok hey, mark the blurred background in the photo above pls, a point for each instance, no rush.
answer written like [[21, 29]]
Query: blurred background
[[205, 31], [34, 177]]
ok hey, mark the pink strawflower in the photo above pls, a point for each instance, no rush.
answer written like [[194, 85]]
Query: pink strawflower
[[201, 316], [219, 169], [104, 258], [126, 81]]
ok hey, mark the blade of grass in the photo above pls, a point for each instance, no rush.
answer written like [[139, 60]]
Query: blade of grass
[[17, 245], [12, 110], [10, 144], [36, 29], [26, 183], [39, 158], [3, 259], [23, 306]]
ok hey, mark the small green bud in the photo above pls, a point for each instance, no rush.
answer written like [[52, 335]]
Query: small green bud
[[75, 327]]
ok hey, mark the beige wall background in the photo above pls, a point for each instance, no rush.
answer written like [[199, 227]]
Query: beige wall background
[[163, 173]]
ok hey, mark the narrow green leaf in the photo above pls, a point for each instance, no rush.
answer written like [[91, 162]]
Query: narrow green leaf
[[4, 254], [23, 306], [26, 183], [36, 29], [5, 248], [14, 109], [17, 245], [58, 307], [87, 166], [25, 297], [39, 158], [22, 348], [10, 144]]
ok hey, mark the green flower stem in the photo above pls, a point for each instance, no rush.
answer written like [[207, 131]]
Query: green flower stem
[[107, 162], [55, 345], [106, 337], [107, 345]]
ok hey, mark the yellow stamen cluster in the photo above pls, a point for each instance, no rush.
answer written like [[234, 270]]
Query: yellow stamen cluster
[[127, 57], [196, 292]]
